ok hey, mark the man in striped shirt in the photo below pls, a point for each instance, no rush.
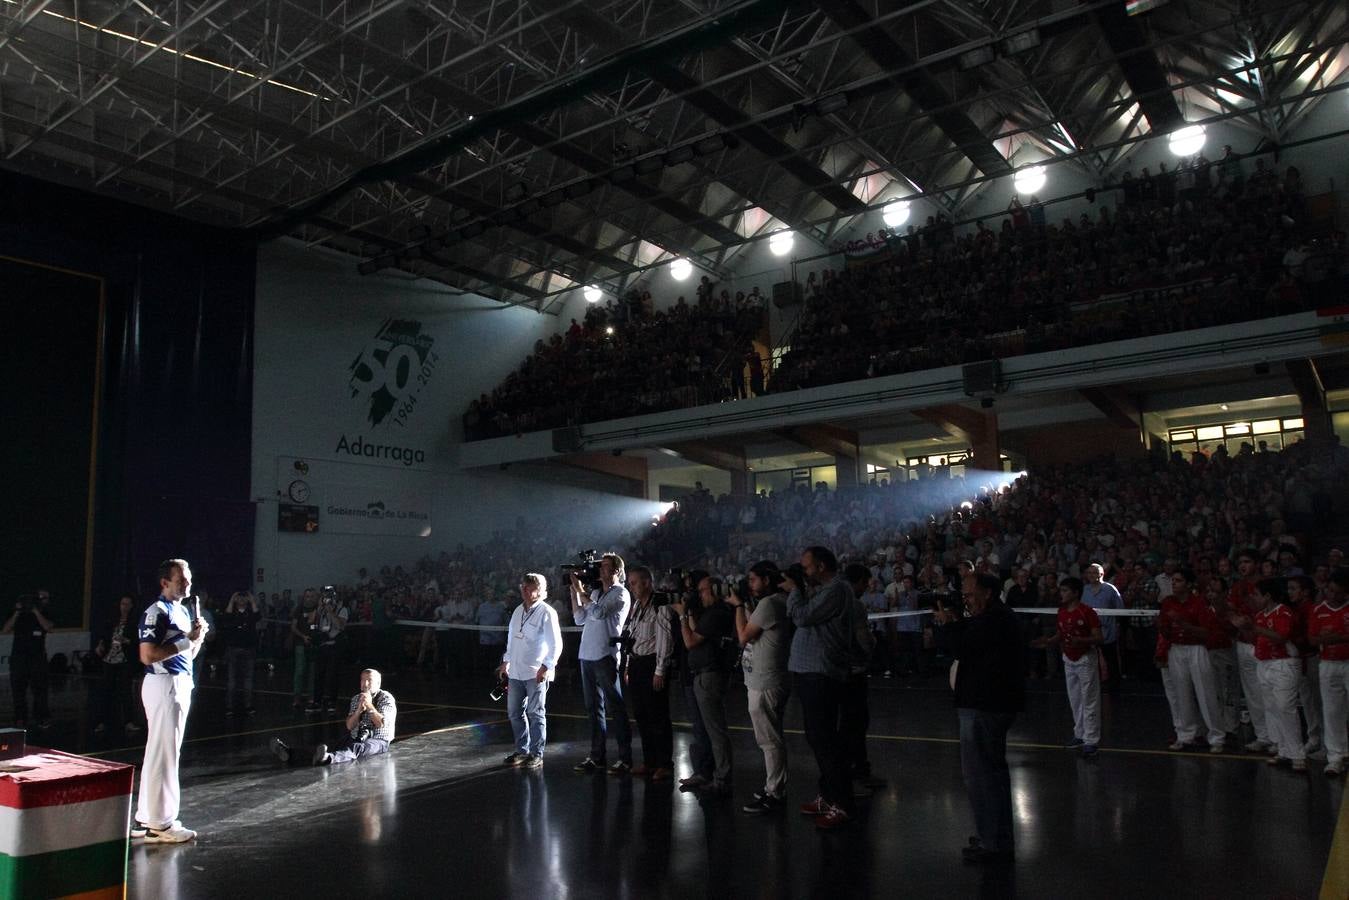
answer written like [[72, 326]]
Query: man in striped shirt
[[369, 728], [647, 665]]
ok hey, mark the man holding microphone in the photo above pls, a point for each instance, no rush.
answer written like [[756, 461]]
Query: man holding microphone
[[170, 638], [533, 646]]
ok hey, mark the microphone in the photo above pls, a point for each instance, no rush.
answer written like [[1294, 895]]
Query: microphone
[[196, 607]]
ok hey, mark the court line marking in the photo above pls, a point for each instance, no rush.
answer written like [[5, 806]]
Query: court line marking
[[1335, 884]]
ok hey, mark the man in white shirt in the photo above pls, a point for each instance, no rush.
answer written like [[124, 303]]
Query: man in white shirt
[[533, 645], [601, 616]]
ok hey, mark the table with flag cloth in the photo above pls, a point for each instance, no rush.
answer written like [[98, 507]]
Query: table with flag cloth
[[63, 826]]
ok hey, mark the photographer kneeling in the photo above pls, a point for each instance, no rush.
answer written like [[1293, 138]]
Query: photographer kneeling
[[370, 723]]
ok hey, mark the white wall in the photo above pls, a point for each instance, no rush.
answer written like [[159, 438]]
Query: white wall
[[315, 316]]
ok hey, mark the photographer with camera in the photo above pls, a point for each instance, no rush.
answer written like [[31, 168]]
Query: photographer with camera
[[238, 625], [533, 646], [821, 604], [765, 630], [330, 620], [601, 615], [369, 729], [304, 630], [709, 638], [651, 632], [28, 657]]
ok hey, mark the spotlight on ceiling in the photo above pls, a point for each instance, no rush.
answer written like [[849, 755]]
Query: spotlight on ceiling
[[1186, 141], [1029, 179], [781, 243], [681, 269], [592, 293], [895, 213]]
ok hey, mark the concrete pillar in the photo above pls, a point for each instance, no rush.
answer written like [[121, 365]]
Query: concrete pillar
[[984, 443]]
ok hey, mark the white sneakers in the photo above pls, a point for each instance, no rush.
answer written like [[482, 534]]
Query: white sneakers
[[174, 834]]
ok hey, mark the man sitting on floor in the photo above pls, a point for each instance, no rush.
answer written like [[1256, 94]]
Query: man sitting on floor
[[370, 720]]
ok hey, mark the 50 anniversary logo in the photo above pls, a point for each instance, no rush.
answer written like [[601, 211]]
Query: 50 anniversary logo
[[392, 371]]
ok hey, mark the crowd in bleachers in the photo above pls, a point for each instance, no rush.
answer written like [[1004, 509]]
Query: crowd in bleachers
[[1198, 245], [626, 359]]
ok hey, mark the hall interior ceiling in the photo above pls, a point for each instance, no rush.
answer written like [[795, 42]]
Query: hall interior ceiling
[[519, 149]]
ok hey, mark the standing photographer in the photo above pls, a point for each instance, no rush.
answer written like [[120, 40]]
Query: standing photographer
[[533, 645], [238, 625], [709, 639], [331, 620], [28, 657], [645, 677], [764, 628], [601, 615]]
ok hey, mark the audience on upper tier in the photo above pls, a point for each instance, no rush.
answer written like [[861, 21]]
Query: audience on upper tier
[[1201, 244]]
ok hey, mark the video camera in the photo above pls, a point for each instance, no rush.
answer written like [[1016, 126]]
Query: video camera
[[587, 570]]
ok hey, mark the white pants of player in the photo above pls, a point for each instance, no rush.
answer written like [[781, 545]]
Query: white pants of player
[[1083, 678], [1334, 678], [1250, 688], [1172, 700], [1227, 683], [1196, 693], [1280, 678], [1309, 697], [167, 699]]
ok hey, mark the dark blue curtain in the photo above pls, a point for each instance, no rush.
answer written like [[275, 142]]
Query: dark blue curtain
[[174, 441]]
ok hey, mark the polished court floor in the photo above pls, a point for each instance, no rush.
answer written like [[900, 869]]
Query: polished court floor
[[440, 817]]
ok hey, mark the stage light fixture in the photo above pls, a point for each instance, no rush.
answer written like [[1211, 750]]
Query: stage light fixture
[[1029, 179], [895, 213], [780, 244], [1186, 141], [592, 293], [681, 269]]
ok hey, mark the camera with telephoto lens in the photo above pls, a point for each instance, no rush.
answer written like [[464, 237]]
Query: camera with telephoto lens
[[587, 570]]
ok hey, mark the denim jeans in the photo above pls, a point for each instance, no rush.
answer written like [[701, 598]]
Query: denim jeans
[[988, 781], [700, 747], [525, 708], [604, 695]]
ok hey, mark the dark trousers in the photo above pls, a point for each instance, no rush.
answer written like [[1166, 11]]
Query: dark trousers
[[821, 702], [854, 720], [325, 672], [700, 748], [239, 664], [1110, 653], [910, 655], [988, 780], [118, 705], [604, 696], [651, 711], [29, 673]]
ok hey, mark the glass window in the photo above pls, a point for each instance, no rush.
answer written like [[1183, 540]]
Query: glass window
[[1182, 436], [1238, 428], [1210, 433], [1265, 426], [1289, 424]]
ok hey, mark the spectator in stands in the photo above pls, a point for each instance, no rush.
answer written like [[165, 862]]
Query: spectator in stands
[[491, 613], [117, 705], [1100, 594]]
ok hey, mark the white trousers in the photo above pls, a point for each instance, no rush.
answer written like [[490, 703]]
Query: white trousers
[[1334, 678], [1172, 700], [1228, 685], [167, 699], [1196, 693], [1250, 688], [1280, 678], [1309, 696], [1083, 679]]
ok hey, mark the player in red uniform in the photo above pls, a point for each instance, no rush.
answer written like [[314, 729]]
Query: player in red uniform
[[1185, 621], [1328, 630], [1241, 604], [1079, 633], [1276, 629], [1302, 598]]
